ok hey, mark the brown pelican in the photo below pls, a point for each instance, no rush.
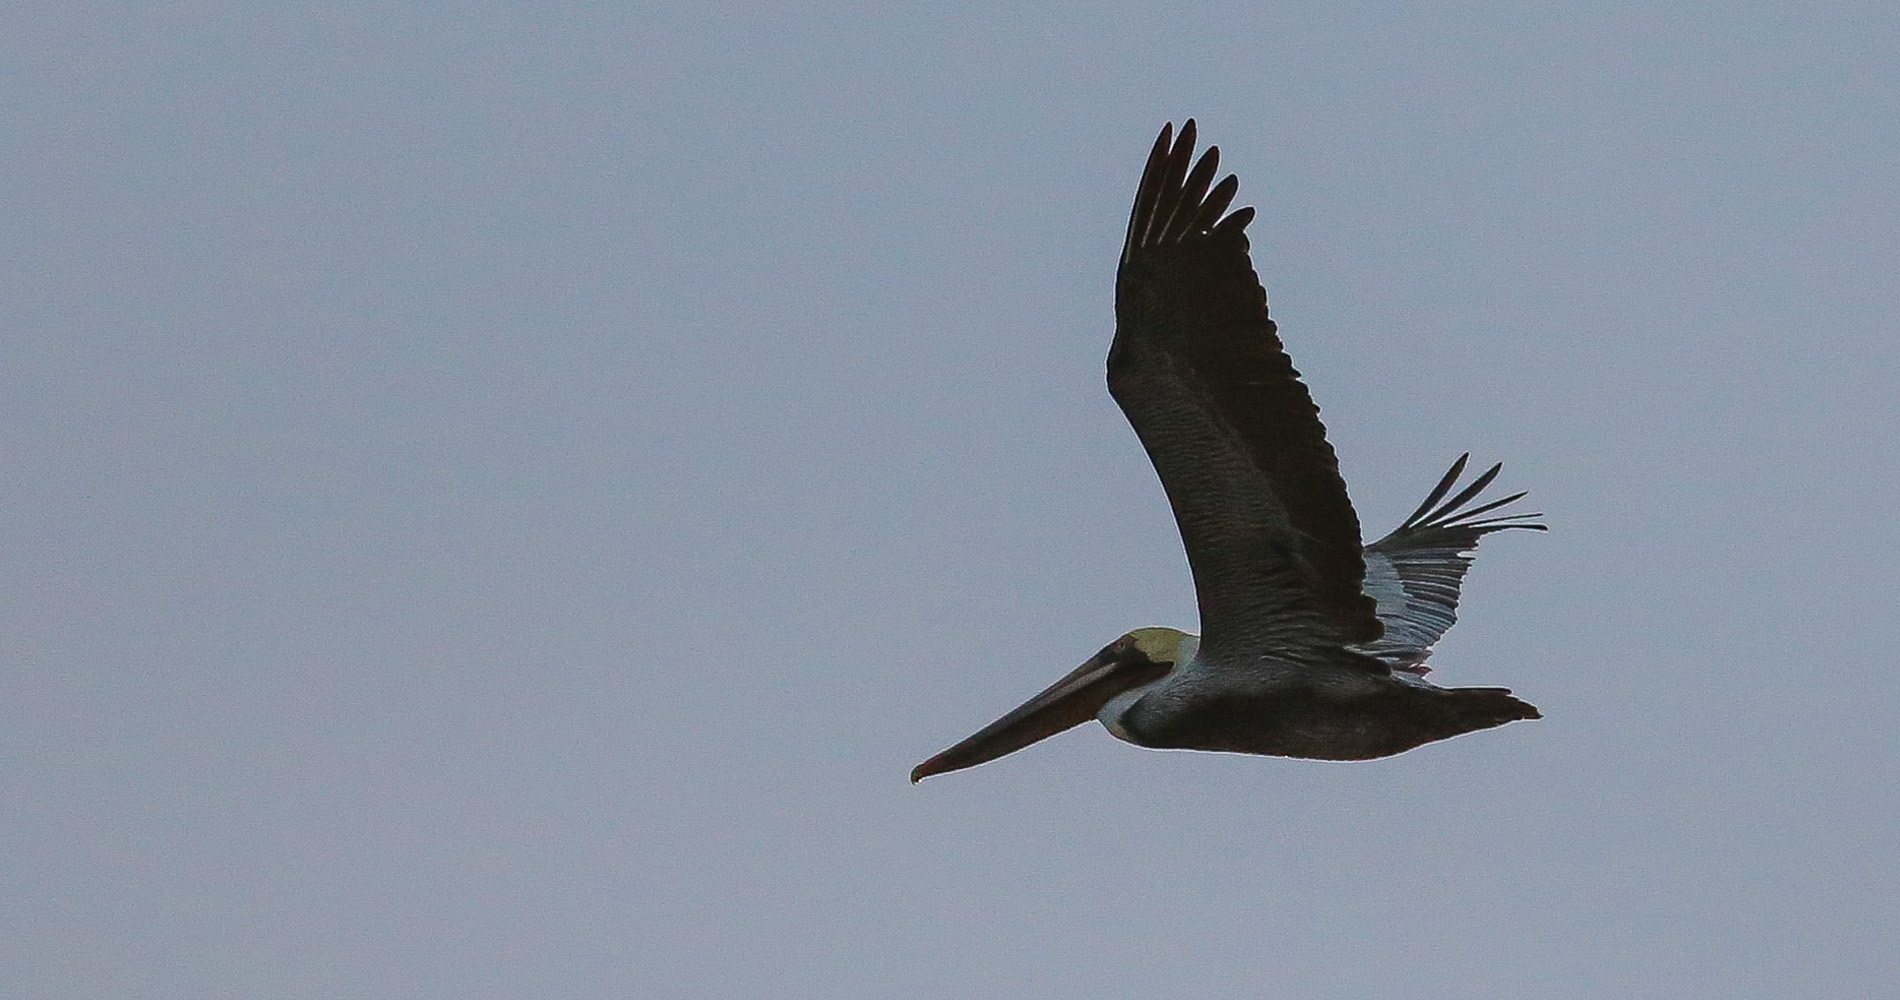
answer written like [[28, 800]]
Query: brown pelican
[[1311, 646]]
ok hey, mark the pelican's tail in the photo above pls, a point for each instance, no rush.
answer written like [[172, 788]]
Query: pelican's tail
[[1415, 713]]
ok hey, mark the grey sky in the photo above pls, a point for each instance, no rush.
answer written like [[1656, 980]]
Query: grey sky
[[500, 496]]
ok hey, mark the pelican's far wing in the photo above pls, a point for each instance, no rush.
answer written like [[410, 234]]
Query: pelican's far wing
[[1200, 371], [1415, 572]]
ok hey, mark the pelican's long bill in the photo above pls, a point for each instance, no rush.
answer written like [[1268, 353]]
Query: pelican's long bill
[[1065, 704]]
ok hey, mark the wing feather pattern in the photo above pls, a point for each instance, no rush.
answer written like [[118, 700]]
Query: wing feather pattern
[[1199, 370], [1417, 571]]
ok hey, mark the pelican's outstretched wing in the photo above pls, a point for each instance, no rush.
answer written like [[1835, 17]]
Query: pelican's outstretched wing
[[1199, 369], [1416, 571]]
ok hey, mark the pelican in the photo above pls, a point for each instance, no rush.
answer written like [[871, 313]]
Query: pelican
[[1311, 646]]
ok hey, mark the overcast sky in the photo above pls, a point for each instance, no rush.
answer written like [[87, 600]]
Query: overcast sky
[[498, 497]]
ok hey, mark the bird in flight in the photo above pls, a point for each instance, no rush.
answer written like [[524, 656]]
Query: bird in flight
[[1311, 645]]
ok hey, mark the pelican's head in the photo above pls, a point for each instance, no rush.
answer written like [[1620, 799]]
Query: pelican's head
[[1104, 686]]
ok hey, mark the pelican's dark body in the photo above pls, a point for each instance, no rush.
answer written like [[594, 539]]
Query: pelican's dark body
[[1300, 715]]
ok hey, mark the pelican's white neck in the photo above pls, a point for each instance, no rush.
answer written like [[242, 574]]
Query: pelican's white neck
[[1160, 644]]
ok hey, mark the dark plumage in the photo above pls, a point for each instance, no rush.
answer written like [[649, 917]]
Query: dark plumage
[[1199, 370]]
